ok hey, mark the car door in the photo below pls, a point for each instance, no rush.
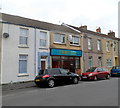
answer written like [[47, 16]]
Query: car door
[[55, 73], [100, 73], [65, 76]]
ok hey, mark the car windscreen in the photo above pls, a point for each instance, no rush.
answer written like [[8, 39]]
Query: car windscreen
[[116, 67], [91, 69]]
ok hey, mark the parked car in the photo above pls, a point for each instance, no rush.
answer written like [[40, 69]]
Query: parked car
[[52, 77], [95, 73], [115, 71]]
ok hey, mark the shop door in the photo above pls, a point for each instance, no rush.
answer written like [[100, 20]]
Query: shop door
[[72, 66]]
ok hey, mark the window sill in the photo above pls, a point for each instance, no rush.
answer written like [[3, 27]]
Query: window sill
[[60, 43], [44, 48], [74, 45], [22, 75], [23, 46]]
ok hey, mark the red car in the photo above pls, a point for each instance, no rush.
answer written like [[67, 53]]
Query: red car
[[95, 73]]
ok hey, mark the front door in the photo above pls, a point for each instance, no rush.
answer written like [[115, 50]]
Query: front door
[[43, 64]]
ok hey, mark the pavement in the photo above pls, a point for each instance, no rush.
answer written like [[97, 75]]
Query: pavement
[[19, 85]]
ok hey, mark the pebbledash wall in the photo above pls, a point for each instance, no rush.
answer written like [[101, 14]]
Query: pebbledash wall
[[10, 54], [12, 50]]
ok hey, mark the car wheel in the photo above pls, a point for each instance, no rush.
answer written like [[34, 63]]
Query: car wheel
[[95, 78], [75, 80], [108, 77], [51, 83]]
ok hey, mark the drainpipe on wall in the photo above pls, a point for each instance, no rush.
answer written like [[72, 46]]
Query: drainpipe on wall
[[35, 53]]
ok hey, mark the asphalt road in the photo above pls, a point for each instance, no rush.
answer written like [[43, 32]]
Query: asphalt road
[[86, 93]]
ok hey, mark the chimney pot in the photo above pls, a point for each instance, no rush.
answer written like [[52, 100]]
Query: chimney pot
[[98, 30], [111, 33]]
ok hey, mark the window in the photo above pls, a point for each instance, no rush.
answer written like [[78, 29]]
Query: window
[[99, 45], [89, 44], [109, 62], [77, 62], [53, 71], [22, 64], [100, 69], [43, 39], [23, 39], [107, 46], [75, 41], [100, 61], [90, 62], [59, 38], [63, 71]]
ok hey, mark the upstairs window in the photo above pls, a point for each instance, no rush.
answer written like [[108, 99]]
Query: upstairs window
[[75, 41], [89, 43], [99, 45], [107, 46], [23, 39], [59, 38], [43, 39]]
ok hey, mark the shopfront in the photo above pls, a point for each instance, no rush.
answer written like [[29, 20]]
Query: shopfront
[[67, 59]]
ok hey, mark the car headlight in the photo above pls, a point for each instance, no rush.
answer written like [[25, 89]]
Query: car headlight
[[90, 74]]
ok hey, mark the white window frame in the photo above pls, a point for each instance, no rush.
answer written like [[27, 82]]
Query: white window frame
[[25, 37], [46, 39], [89, 44], [108, 62], [90, 64], [107, 46], [61, 38], [99, 45], [23, 59], [73, 41]]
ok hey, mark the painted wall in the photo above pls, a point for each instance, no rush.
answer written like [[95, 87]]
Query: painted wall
[[119, 52], [10, 55], [42, 51], [0, 43]]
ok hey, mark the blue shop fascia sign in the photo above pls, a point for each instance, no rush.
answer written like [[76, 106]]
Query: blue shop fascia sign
[[65, 52]]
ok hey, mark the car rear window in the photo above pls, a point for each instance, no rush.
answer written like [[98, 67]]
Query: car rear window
[[53, 71], [116, 67]]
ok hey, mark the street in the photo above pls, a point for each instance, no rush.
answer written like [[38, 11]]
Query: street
[[86, 93]]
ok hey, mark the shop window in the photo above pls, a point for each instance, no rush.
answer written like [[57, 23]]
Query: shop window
[[75, 41], [77, 63], [59, 38]]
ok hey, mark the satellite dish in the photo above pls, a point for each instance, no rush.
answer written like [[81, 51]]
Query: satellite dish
[[70, 37], [5, 35]]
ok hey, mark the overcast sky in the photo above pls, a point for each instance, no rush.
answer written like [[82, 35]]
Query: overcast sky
[[93, 13]]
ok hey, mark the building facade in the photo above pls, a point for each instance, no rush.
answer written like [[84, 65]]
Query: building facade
[[24, 48], [98, 49], [66, 49]]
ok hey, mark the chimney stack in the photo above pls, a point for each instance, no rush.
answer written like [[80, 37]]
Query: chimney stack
[[98, 30], [111, 33], [83, 27]]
